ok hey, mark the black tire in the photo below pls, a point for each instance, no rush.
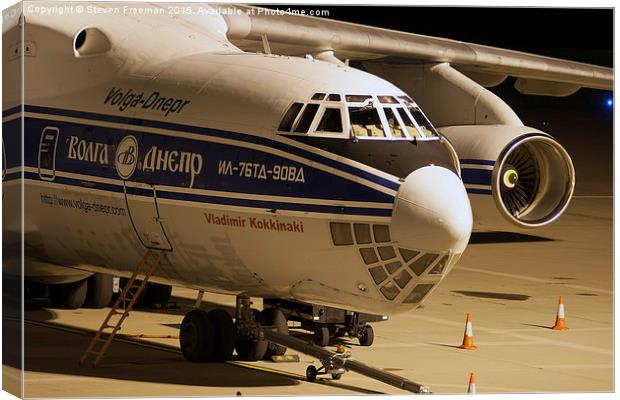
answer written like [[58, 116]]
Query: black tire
[[336, 377], [321, 335], [275, 317], [311, 373], [224, 335], [157, 293], [69, 295], [251, 350], [99, 292], [367, 336], [197, 336]]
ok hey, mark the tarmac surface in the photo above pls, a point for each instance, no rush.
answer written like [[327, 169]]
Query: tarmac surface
[[509, 282]]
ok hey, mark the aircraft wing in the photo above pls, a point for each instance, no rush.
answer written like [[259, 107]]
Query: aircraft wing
[[300, 35]]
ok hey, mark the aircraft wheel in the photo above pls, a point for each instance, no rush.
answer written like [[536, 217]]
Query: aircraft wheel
[[69, 295], [249, 349], [156, 293], [367, 336], [311, 373], [224, 334], [336, 377], [321, 335], [197, 336], [99, 292], [275, 317]]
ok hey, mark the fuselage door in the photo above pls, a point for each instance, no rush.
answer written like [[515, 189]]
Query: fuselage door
[[144, 213], [141, 198], [47, 153]]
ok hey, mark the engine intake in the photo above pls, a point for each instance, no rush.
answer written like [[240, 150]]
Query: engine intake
[[521, 172]]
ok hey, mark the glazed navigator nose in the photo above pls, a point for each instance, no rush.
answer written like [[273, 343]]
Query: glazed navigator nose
[[432, 212]]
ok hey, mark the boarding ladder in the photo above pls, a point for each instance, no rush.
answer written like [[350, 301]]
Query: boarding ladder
[[104, 336]]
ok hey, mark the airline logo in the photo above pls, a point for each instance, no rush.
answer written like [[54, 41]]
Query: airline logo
[[127, 160], [124, 99]]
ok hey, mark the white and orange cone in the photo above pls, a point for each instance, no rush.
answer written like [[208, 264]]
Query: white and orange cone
[[560, 322], [471, 388], [468, 337]]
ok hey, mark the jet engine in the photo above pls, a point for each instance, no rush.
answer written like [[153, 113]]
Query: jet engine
[[512, 174]]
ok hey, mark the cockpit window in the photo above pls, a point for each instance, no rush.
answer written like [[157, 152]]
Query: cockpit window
[[331, 121], [388, 100], [334, 97], [306, 118], [425, 125], [287, 122], [365, 121], [318, 96], [393, 123], [355, 98], [406, 99], [411, 128]]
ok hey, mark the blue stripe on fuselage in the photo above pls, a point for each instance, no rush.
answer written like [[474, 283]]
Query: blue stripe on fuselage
[[199, 198], [476, 176], [221, 134]]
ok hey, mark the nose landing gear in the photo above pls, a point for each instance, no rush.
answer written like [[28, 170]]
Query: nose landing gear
[[209, 336]]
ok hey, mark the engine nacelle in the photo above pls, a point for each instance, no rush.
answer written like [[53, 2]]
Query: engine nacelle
[[513, 174]]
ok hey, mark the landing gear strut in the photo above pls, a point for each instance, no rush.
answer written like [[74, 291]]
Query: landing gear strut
[[212, 336]]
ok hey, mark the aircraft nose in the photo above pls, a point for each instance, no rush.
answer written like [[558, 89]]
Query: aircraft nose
[[432, 212]]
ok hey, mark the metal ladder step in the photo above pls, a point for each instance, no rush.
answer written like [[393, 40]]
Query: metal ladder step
[[130, 293]]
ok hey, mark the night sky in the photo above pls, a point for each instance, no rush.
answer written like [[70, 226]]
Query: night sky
[[578, 34], [584, 35]]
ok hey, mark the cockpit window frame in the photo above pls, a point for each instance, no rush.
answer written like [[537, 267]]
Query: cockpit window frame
[[404, 103], [319, 117]]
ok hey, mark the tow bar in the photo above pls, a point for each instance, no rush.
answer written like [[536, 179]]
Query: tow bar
[[339, 362]]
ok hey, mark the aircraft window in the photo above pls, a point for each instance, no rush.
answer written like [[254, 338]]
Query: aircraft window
[[341, 233], [369, 255], [355, 98], [424, 123], [331, 121], [378, 274], [365, 121], [390, 291], [411, 128], [306, 118], [318, 96], [402, 279], [362, 233], [289, 117], [406, 99], [419, 292], [420, 265], [382, 233], [386, 252], [393, 266], [408, 255], [393, 123], [334, 97], [439, 267], [388, 99]]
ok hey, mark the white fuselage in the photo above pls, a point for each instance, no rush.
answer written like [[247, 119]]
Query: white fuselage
[[132, 149]]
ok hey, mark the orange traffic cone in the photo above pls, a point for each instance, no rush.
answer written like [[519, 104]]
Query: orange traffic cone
[[560, 323], [471, 389], [468, 338]]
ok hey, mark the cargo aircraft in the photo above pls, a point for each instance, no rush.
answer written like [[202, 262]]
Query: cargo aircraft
[[334, 170]]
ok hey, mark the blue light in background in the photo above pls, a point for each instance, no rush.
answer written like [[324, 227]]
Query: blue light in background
[[610, 102]]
